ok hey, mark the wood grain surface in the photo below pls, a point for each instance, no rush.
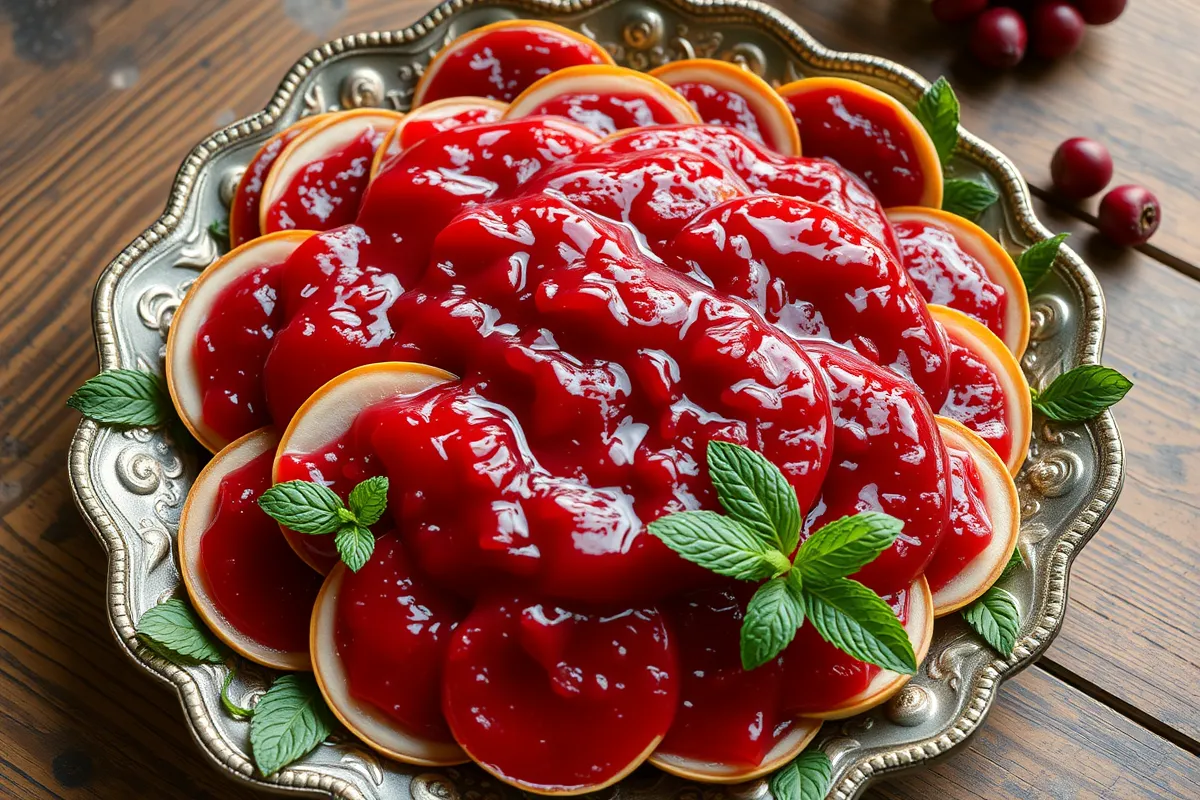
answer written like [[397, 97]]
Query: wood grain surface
[[103, 98]]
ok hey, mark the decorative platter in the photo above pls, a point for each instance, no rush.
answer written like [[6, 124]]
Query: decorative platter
[[131, 484]]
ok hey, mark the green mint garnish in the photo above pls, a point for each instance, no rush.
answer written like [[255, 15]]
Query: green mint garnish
[[754, 543], [289, 721], [967, 198], [123, 397], [938, 112], [310, 508], [807, 777], [1081, 393], [232, 708], [1037, 260], [173, 630], [218, 229], [1015, 562], [996, 618]]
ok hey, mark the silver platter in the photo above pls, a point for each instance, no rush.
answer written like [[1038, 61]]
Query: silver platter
[[130, 485]]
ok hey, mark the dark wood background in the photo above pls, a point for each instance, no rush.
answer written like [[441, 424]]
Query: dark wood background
[[102, 99]]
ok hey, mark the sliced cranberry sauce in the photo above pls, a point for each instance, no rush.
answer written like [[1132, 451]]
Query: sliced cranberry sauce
[[231, 346], [503, 62], [948, 275], [722, 107], [970, 530], [977, 398], [243, 211], [608, 112], [254, 579]]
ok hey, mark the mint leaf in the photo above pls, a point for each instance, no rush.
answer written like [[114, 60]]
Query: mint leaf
[[756, 494], [355, 544], [123, 397], [772, 617], [218, 229], [719, 544], [289, 721], [967, 198], [808, 777], [303, 506], [857, 621], [1015, 562], [1038, 259], [232, 708], [996, 618], [845, 545], [368, 500], [938, 112], [173, 630], [1081, 393]]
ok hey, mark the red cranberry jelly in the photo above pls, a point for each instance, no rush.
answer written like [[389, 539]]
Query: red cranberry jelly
[[254, 579], [814, 273], [243, 212], [970, 529], [977, 398], [767, 172], [327, 191], [726, 715], [418, 126], [866, 137], [502, 62], [558, 699], [231, 346], [392, 631], [722, 107], [948, 275], [608, 112], [888, 456], [818, 677]]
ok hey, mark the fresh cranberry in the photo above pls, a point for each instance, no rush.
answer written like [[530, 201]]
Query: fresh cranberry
[[1057, 29], [953, 11], [1099, 12], [1129, 215], [1080, 168], [999, 38]]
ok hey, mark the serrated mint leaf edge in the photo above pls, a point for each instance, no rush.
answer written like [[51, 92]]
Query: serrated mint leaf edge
[[193, 642], [755, 492], [129, 397], [310, 708], [999, 631]]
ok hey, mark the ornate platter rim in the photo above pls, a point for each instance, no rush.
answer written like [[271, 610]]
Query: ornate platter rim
[[981, 685]]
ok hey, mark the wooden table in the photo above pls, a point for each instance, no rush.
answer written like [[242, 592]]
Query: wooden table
[[101, 101]]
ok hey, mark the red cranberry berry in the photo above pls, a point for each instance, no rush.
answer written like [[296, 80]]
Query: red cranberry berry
[[1099, 12], [953, 11], [1080, 168], [1129, 215], [1057, 29], [999, 38]]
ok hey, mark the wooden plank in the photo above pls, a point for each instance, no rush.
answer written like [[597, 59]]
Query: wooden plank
[[1131, 85], [1044, 739]]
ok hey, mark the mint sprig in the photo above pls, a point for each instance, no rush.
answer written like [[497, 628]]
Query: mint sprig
[[1038, 259], [1015, 562], [807, 777], [967, 198], [123, 397], [938, 113], [996, 617], [232, 708], [173, 630], [313, 509], [289, 721], [754, 543], [1081, 393]]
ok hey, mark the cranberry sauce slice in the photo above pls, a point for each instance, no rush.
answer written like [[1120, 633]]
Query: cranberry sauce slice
[[244, 210], [723, 107], [888, 456], [254, 579], [814, 273], [606, 374], [970, 529], [768, 172], [231, 347], [427, 121], [977, 398], [392, 630], [726, 715], [946, 274], [324, 187], [818, 677], [503, 61], [555, 699], [607, 112]]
